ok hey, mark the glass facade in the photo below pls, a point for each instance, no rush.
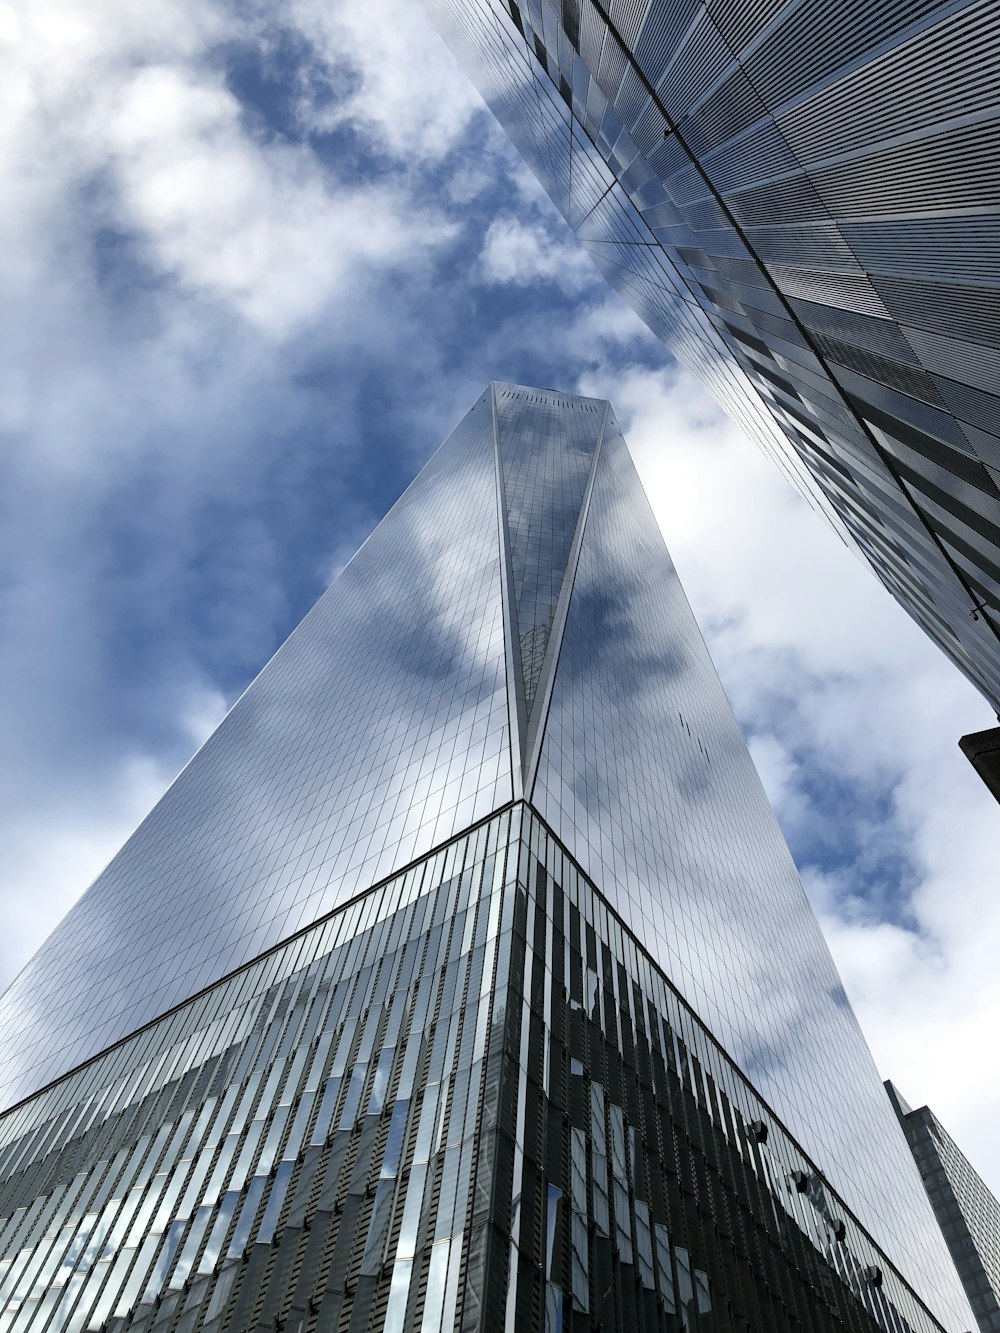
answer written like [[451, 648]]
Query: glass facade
[[468, 1100], [801, 201], [390, 979], [547, 447], [968, 1212], [377, 731], [644, 775]]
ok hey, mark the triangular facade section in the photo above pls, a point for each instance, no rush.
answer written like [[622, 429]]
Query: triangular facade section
[[547, 445]]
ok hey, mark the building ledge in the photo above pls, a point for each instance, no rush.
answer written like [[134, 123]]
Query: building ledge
[[982, 749]]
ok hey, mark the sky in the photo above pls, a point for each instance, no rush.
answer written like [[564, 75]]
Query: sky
[[256, 263]]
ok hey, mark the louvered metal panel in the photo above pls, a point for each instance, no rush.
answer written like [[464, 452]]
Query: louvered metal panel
[[849, 152]]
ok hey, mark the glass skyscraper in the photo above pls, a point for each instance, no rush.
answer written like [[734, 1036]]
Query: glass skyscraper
[[463, 978], [801, 200], [967, 1211]]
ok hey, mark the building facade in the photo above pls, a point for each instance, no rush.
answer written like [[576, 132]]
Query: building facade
[[968, 1213], [801, 200], [463, 978]]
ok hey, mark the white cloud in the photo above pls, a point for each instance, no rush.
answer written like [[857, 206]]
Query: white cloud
[[393, 76], [778, 769], [55, 855], [202, 711], [261, 225], [521, 253], [131, 108], [53, 858]]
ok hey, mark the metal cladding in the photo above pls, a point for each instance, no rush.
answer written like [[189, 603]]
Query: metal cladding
[[968, 1212], [376, 1021], [801, 201], [468, 1100]]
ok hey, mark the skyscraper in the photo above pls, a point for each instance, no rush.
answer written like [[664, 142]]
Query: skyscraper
[[968, 1212], [463, 978], [801, 201]]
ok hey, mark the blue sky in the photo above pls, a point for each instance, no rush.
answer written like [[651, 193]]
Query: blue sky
[[257, 263]]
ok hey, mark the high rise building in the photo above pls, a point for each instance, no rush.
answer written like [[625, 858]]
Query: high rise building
[[463, 978], [801, 201], [968, 1212]]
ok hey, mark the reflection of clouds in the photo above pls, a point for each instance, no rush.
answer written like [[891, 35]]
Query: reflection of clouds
[[646, 778], [377, 731], [199, 1110]]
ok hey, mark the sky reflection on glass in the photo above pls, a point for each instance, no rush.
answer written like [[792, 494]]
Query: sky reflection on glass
[[386, 725], [377, 731]]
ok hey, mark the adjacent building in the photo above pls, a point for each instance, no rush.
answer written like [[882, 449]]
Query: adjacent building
[[801, 201], [968, 1213], [463, 978], [982, 749]]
